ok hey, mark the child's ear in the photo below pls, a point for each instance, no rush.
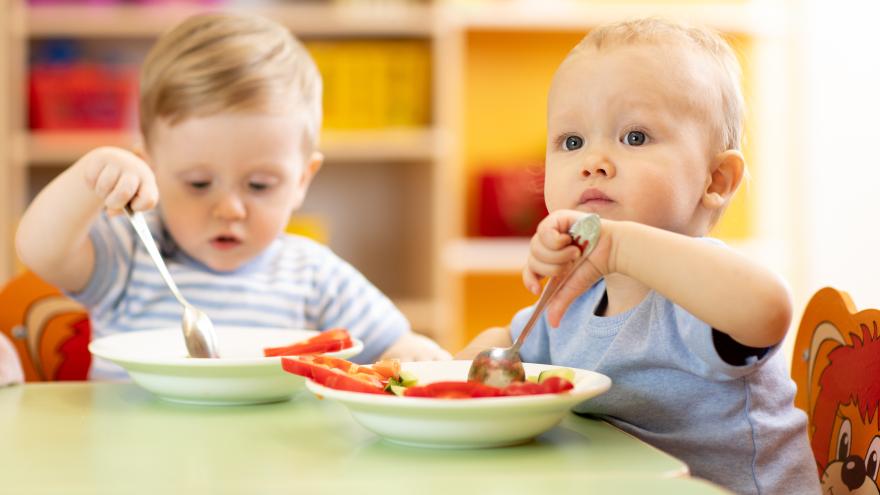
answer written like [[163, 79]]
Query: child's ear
[[311, 168], [724, 178]]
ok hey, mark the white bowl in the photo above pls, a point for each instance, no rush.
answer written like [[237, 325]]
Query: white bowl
[[157, 360], [463, 423]]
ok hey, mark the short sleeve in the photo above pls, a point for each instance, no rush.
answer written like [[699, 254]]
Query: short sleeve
[[113, 242], [346, 299], [701, 339]]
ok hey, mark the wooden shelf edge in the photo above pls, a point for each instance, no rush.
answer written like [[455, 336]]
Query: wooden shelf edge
[[133, 21], [746, 18], [384, 145], [503, 256]]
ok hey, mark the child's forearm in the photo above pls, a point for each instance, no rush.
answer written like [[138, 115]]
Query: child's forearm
[[712, 282], [52, 238]]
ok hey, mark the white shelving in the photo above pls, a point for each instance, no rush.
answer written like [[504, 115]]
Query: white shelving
[[129, 21], [396, 145]]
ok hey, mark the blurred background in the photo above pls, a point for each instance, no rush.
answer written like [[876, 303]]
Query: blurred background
[[434, 131]]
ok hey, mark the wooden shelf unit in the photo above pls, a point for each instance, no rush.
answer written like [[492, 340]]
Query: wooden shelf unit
[[449, 266]]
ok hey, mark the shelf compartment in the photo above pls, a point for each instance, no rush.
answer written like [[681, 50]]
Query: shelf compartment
[[381, 145]]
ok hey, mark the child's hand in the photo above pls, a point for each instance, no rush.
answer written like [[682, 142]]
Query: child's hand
[[415, 347], [10, 367], [551, 253], [119, 178]]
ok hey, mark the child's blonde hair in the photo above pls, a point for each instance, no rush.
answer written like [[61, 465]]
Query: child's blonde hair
[[219, 62], [651, 30]]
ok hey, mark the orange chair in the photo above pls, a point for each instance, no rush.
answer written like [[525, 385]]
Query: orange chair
[[49, 331], [836, 366]]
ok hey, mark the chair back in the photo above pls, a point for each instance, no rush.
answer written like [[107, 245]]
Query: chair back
[[49, 331], [836, 366]]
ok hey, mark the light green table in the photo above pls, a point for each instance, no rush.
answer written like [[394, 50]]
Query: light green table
[[116, 438]]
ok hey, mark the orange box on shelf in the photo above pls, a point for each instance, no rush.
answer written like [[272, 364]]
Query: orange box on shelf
[[82, 96]]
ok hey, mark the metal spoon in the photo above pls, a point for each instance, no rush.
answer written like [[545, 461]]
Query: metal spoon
[[500, 366], [198, 331]]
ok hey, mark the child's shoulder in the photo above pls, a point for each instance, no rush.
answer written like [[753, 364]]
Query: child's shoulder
[[304, 248]]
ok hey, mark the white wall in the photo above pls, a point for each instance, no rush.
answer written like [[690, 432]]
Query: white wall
[[840, 148]]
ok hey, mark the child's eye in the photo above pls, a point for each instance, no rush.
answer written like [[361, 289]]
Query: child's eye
[[571, 143], [635, 138], [259, 186], [200, 184]]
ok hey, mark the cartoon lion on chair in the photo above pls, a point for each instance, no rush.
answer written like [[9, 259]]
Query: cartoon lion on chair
[[837, 368]]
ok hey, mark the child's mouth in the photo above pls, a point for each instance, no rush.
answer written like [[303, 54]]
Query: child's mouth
[[223, 242]]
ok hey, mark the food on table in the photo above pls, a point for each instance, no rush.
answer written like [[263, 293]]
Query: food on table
[[473, 390], [332, 340], [386, 377]]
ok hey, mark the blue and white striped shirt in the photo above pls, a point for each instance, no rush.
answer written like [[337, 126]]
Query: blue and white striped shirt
[[295, 283]]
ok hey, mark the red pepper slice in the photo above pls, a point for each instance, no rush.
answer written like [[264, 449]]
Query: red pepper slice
[[453, 390], [329, 341], [336, 373]]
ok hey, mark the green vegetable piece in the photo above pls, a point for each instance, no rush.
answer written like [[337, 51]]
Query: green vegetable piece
[[532, 378], [396, 390], [408, 379], [566, 373]]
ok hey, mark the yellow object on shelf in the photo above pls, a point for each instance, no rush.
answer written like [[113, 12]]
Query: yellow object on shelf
[[374, 84], [311, 226]]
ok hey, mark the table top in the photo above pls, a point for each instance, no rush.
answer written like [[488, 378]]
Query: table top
[[85, 437]]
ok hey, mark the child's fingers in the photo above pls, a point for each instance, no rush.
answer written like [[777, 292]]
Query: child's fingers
[[542, 269], [146, 196], [121, 195], [552, 255], [106, 181], [532, 281]]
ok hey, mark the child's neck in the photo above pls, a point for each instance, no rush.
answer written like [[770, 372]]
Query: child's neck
[[622, 294]]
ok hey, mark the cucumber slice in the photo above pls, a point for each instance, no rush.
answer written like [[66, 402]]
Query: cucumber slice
[[566, 373], [408, 379], [397, 390]]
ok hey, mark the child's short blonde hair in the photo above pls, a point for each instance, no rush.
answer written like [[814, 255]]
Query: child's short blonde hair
[[220, 62], [651, 30]]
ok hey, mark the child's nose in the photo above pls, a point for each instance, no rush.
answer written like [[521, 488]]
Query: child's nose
[[598, 163], [230, 207]]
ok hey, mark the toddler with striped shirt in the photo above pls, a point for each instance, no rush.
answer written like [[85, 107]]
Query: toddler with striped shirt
[[230, 112]]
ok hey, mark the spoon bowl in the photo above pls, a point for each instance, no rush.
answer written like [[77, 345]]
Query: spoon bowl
[[501, 366], [198, 331]]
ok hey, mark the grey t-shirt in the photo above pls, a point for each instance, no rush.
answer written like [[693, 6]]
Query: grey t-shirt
[[734, 425]]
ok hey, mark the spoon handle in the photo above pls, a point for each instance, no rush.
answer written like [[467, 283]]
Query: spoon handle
[[550, 290], [143, 231], [585, 234]]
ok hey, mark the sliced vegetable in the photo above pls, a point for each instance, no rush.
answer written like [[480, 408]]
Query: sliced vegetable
[[389, 368], [387, 377], [453, 390], [566, 373], [471, 390], [336, 373], [328, 341]]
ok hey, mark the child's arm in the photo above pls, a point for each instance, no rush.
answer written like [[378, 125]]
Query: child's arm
[[414, 347], [493, 337], [53, 236], [712, 282]]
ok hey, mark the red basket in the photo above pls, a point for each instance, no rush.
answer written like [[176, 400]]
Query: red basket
[[82, 96], [510, 202]]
